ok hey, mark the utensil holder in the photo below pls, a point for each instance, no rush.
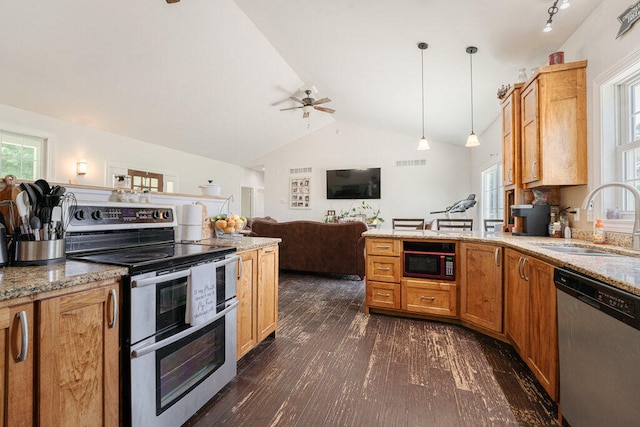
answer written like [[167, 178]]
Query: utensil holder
[[41, 252]]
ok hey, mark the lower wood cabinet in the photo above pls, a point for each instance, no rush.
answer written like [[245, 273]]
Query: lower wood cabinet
[[257, 290], [383, 295], [531, 322], [17, 365], [429, 297], [78, 358], [481, 285]]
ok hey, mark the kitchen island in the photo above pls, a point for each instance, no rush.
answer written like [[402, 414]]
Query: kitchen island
[[497, 284]]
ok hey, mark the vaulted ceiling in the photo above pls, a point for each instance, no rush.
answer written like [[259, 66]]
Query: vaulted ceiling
[[209, 77]]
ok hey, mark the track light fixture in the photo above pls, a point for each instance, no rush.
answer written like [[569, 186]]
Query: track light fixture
[[472, 139], [423, 144], [552, 11]]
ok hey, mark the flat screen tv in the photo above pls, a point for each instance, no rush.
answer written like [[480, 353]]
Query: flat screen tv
[[353, 184]]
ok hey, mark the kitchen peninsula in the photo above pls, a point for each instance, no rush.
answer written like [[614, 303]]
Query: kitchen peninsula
[[498, 284]]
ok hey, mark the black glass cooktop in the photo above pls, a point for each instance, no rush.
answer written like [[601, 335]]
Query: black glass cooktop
[[156, 257]]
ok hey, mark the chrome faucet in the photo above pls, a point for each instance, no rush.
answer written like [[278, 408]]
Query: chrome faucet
[[588, 204]]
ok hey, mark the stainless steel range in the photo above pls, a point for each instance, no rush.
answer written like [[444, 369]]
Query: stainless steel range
[[179, 308]]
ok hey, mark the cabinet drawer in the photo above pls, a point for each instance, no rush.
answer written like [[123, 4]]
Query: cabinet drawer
[[388, 247], [383, 295], [427, 297], [383, 269]]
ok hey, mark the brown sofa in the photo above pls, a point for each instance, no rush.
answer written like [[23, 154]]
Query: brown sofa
[[317, 247]]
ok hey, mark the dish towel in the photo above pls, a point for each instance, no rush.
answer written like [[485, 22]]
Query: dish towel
[[201, 294]]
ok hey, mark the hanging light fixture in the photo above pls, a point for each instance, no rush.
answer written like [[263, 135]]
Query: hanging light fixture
[[472, 139], [552, 11], [423, 144]]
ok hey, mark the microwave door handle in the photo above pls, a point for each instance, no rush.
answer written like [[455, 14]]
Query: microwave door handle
[[159, 279], [173, 338]]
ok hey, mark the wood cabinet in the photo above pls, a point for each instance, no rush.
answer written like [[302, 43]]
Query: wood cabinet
[[531, 318], [481, 285], [429, 297], [511, 137], [554, 126], [257, 290], [17, 365], [383, 273], [78, 368]]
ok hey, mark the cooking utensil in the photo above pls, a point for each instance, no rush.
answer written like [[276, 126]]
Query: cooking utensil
[[56, 217], [31, 193], [35, 226], [43, 185], [22, 200]]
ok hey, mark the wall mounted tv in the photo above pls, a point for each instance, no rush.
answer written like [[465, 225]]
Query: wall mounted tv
[[353, 184]]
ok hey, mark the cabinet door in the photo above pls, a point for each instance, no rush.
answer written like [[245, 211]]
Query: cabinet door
[[78, 358], [429, 297], [247, 315], [481, 285], [16, 365], [516, 304], [530, 144], [385, 247], [383, 295], [508, 160], [383, 268], [267, 291], [542, 348]]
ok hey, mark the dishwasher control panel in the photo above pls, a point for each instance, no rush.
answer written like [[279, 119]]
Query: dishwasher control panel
[[618, 303]]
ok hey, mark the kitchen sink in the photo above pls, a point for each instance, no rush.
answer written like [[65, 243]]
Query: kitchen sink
[[577, 250]]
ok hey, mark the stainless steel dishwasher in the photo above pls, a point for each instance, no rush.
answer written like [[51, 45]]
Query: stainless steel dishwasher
[[599, 345]]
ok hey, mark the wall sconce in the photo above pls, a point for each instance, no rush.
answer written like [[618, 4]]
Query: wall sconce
[[81, 167]]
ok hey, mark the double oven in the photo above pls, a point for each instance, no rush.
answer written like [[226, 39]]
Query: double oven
[[171, 366]]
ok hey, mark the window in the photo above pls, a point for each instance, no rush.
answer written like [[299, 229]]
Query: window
[[628, 150], [492, 194], [143, 180], [21, 155]]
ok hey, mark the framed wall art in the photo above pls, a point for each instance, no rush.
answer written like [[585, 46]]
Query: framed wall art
[[300, 193]]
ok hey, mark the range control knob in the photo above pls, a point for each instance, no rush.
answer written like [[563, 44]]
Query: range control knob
[[79, 215], [155, 215], [96, 215], [165, 215]]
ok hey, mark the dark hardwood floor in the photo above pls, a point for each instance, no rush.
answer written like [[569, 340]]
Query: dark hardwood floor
[[333, 365]]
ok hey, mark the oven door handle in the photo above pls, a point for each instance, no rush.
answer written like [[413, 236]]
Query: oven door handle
[[159, 279], [226, 261], [173, 338]]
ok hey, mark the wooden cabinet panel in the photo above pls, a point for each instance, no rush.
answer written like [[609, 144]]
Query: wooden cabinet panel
[[16, 377], [511, 138], [481, 285], [383, 268], [530, 137], [429, 297], [78, 358], [267, 291], [516, 294], [247, 312], [383, 295], [388, 247], [542, 348]]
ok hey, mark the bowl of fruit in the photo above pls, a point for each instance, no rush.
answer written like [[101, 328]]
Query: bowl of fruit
[[228, 224]]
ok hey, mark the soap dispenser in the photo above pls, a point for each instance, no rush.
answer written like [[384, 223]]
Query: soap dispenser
[[599, 233]]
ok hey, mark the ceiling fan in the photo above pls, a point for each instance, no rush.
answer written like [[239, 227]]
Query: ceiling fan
[[309, 104]]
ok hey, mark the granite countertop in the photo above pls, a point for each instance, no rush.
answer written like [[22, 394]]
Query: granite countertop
[[241, 243], [621, 271], [16, 282]]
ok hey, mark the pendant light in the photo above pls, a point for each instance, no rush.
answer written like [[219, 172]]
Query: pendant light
[[472, 139], [423, 144]]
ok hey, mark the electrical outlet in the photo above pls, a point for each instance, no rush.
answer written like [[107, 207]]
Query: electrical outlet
[[590, 215], [576, 215]]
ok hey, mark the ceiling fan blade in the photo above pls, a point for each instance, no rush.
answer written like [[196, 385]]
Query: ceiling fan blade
[[321, 101], [172, 1], [296, 99], [291, 108], [326, 110], [305, 115]]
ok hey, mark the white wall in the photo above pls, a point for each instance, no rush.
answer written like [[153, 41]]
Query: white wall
[[487, 154], [70, 142], [408, 191]]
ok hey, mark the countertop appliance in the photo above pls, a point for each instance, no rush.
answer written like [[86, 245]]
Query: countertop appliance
[[171, 364], [599, 345], [535, 219], [429, 260]]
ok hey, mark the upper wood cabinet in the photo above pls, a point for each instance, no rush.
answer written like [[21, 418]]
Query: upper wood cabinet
[[511, 137], [554, 126]]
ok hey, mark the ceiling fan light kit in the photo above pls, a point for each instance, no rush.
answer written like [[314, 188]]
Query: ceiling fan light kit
[[472, 139], [309, 104], [423, 144]]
